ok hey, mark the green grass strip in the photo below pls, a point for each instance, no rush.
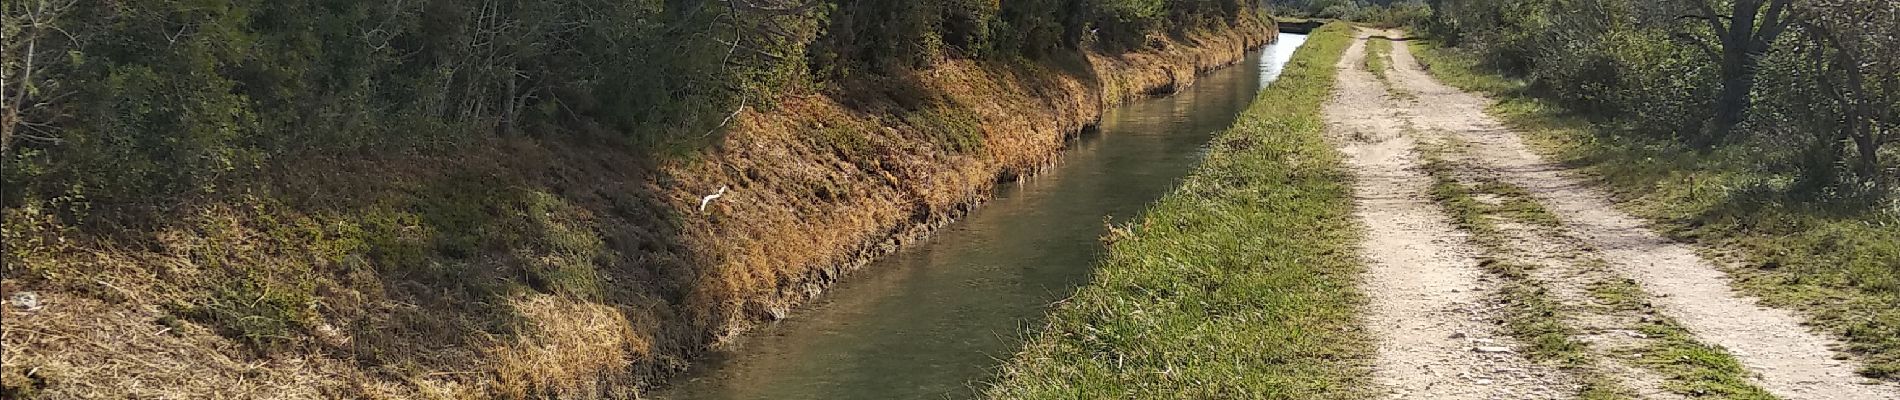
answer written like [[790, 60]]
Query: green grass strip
[[1690, 367], [1534, 316], [1239, 284], [1378, 56]]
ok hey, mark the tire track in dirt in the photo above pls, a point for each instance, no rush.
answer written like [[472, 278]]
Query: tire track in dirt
[[1789, 360], [1427, 296], [1601, 336], [1614, 336]]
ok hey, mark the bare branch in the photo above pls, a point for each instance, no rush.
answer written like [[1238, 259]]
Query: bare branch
[[1772, 25], [37, 138], [1701, 44], [746, 6], [1709, 15], [761, 53]]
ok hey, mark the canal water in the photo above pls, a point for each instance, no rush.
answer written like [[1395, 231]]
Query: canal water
[[934, 320]]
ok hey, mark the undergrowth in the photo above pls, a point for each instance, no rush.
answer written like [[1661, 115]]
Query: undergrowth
[[1239, 284]]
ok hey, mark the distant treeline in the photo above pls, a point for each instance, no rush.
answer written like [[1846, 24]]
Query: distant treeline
[[117, 103], [1382, 13]]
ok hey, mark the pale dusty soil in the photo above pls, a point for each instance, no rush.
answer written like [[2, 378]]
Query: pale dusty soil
[[1423, 284], [1427, 294]]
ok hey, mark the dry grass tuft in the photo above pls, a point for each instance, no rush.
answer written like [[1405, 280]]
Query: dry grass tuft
[[568, 349]]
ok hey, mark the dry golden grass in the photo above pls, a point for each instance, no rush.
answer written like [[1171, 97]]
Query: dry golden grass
[[571, 349], [777, 242], [79, 347]]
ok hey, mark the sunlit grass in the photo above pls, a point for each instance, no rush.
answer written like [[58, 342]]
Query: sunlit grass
[[1532, 315], [1239, 284], [1687, 365]]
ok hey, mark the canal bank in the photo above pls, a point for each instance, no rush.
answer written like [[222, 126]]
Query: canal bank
[[1238, 284], [555, 265], [930, 321]]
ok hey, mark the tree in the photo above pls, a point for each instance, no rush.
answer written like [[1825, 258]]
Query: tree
[[1855, 48], [1743, 33], [29, 39]]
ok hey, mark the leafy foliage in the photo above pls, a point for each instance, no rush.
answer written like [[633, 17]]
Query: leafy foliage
[[1659, 70], [1382, 13], [163, 99], [123, 107]]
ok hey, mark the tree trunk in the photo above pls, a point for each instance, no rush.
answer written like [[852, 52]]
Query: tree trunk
[[1821, 162], [1731, 105], [6, 129], [1742, 39], [1869, 155]]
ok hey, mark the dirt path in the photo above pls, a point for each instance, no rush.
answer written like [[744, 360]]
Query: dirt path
[[1425, 286], [1427, 303]]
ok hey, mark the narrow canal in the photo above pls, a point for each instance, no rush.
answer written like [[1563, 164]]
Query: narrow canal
[[934, 320]]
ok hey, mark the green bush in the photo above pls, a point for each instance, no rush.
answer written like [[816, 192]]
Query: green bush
[[1647, 70], [1663, 89], [231, 87]]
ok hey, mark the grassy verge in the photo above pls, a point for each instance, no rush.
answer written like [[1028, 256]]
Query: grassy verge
[[1239, 284], [1836, 260]]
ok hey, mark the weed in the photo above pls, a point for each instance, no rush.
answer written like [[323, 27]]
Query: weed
[[1378, 61], [1689, 366], [954, 130], [263, 315], [1534, 316]]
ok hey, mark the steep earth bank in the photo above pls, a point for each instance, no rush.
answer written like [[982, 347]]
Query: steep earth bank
[[524, 267]]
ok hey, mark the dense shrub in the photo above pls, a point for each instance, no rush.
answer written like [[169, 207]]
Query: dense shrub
[[1380, 13], [128, 106], [1397, 14], [149, 100], [1646, 68]]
